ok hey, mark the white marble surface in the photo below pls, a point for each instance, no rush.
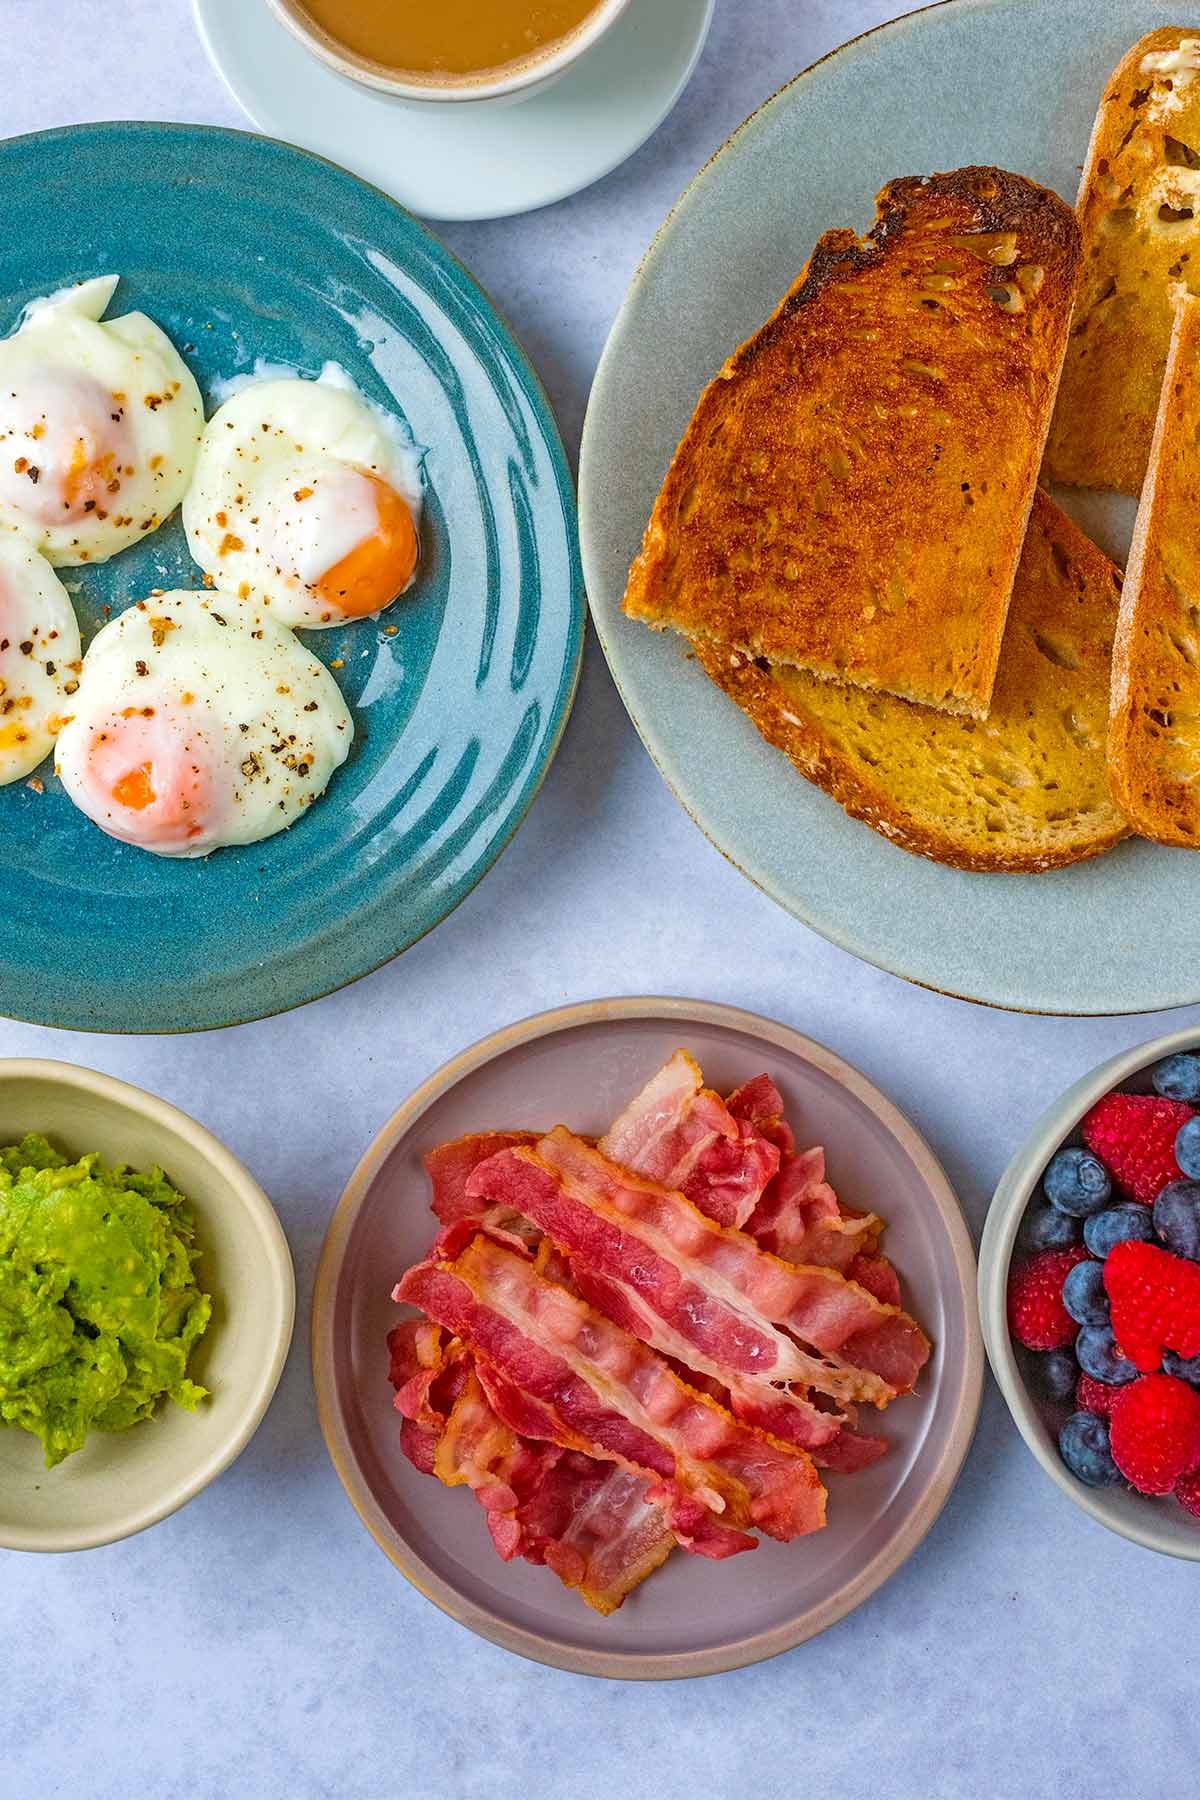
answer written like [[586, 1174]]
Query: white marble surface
[[258, 1643]]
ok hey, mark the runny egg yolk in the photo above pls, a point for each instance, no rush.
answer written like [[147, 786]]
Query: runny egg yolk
[[135, 789], [380, 566], [150, 772], [91, 475]]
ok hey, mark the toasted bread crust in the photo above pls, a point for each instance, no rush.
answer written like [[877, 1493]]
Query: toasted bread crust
[[1139, 212], [851, 494], [1154, 730], [1024, 793]]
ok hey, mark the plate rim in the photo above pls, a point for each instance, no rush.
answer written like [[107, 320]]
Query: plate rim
[[566, 488], [660, 752], [966, 1394]]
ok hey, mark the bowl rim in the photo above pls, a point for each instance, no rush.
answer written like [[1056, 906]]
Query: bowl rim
[[964, 1385], [368, 71], [277, 1261], [996, 1247]]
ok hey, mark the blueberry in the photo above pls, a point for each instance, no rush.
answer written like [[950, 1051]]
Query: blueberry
[[1057, 1373], [1115, 1225], [1178, 1077], [1096, 1348], [1187, 1147], [1084, 1446], [1083, 1294], [1076, 1182], [1177, 1218], [1182, 1367], [1048, 1229]]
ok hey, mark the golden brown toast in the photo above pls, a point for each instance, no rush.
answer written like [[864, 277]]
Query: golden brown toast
[[1139, 211], [1154, 730], [851, 493], [1024, 791]]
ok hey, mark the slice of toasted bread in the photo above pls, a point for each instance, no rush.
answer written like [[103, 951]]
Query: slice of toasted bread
[[851, 494], [1139, 211], [1154, 729], [1024, 790]]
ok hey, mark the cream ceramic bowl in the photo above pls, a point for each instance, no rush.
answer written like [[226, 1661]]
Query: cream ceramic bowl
[[1157, 1524], [513, 82], [121, 1482]]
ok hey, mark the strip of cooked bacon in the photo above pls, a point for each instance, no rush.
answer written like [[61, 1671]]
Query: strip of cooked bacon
[[687, 1516], [798, 1216], [417, 1357], [451, 1164], [760, 1103], [757, 1107], [815, 1303], [476, 1449], [569, 1374], [428, 1369], [679, 1132], [798, 1421], [714, 1286], [877, 1275], [786, 1412], [594, 1525]]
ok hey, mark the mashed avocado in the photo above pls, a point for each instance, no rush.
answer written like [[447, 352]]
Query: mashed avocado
[[98, 1306]]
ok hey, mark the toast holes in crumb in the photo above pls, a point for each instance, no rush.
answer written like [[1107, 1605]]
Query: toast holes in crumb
[[1056, 650], [1007, 297], [1184, 646], [1180, 155], [930, 370], [1106, 185]]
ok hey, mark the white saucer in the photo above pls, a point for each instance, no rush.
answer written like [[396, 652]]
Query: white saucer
[[478, 162]]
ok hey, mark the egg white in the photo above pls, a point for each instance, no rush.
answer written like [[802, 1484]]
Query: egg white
[[213, 694], [39, 658], [75, 387], [266, 444]]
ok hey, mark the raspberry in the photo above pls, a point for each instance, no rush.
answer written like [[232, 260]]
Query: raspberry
[[1094, 1396], [1134, 1136], [1187, 1492], [1155, 1431], [1155, 1303], [1037, 1317]]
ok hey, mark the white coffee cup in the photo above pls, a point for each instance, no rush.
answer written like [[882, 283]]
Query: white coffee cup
[[514, 81]]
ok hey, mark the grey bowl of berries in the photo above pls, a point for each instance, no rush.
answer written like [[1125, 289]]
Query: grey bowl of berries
[[1089, 1292]]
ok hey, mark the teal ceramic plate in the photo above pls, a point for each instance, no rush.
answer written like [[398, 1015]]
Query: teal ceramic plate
[[1013, 82], [245, 249]]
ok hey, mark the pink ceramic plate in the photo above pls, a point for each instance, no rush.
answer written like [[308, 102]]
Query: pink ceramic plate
[[580, 1065]]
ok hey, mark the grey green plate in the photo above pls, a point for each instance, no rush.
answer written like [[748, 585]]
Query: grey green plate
[[1012, 82], [245, 249]]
